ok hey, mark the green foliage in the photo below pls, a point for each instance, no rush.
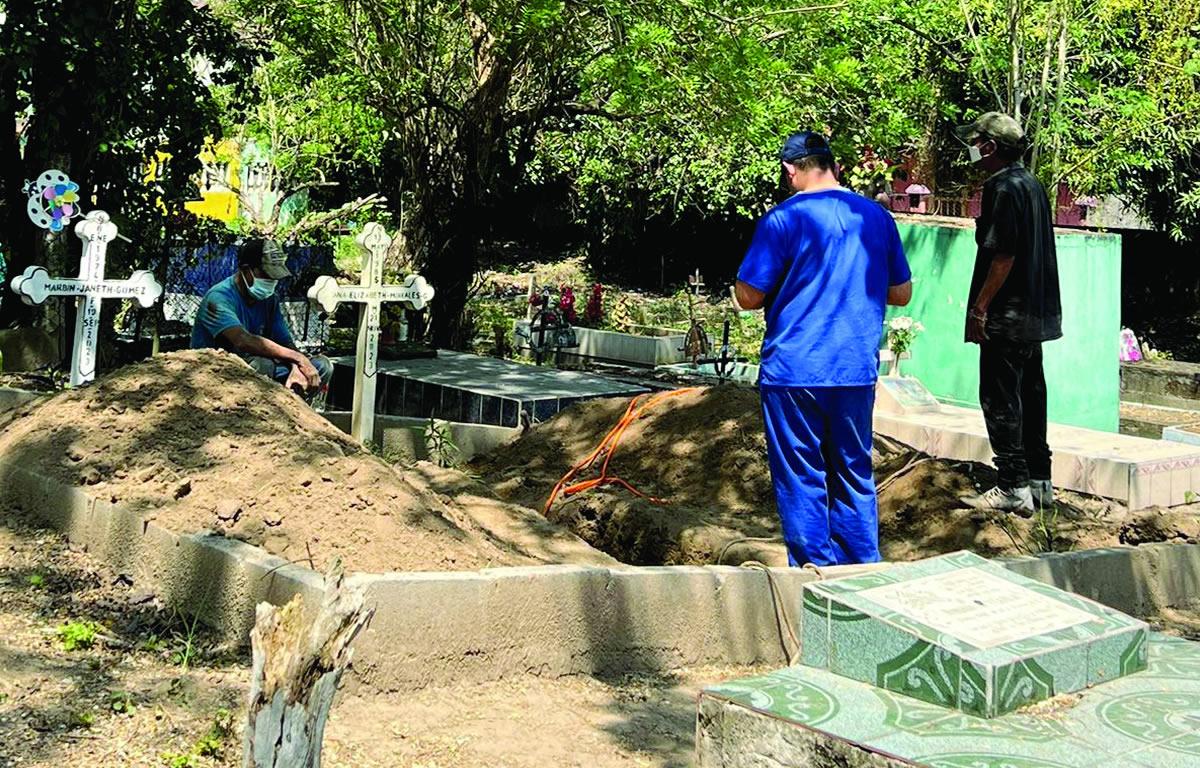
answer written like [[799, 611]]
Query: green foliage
[[37, 580], [78, 635], [901, 333], [492, 320], [650, 111], [82, 719], [621, 313], [440, 443], [184, 639], [121, 702], [181, 760], [153, 644], [212, 744]]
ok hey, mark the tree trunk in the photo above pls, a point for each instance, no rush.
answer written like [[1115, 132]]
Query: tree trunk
[[1015, 95], [450, 272], [1059, 90], [295, 674]]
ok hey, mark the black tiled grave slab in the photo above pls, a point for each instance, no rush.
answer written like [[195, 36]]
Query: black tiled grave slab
[[459, 387]]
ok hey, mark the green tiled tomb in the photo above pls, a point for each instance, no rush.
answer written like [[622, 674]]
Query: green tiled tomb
[[802, 716], [961, 632]]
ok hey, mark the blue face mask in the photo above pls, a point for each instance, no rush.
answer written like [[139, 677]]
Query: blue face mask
[[262, 288]]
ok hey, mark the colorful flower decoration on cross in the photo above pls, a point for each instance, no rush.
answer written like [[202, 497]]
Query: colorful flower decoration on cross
[[53, 201]]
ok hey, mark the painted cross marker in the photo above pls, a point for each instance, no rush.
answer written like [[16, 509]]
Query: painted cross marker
[[35, 285], [371, 293]]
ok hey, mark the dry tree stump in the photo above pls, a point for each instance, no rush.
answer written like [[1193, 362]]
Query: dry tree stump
[[296, 669]]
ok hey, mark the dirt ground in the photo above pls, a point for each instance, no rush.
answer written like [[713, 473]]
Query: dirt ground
[[198, 441], [704, 453], [129, 701]]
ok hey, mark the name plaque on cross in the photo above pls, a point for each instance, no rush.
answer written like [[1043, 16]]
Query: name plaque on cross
[[35, 285], [370, 294]]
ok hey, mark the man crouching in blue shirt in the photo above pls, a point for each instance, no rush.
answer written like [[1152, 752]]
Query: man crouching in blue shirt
[[824, 264], [241, 314]]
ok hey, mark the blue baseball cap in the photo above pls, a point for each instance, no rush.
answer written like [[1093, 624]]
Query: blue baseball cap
[[804, 144]]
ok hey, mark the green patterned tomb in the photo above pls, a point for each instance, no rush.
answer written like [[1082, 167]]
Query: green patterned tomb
[[961, 632], [806, 716]]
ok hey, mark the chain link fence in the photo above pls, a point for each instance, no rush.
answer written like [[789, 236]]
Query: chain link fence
[[191, 272]]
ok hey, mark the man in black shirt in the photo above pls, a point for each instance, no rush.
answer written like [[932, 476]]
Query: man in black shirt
[[1013, 307]]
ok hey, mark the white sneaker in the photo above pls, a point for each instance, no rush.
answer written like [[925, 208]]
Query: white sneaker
[[999, 500], [1043, 493]]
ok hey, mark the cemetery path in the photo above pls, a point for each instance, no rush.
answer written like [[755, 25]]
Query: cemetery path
[[127, 701], [705, 453], [197, 441]]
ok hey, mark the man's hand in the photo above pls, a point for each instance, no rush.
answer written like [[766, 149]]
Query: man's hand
[[977, 325], [296, 381], [311, 376]]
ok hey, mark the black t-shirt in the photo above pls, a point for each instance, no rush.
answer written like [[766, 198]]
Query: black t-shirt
[[1016, 220]]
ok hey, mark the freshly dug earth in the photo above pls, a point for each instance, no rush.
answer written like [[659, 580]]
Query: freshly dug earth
[[704, 453], [197, 441]]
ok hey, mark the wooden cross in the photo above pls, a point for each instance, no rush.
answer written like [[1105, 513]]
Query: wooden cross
[[371, 293], [35, 285]]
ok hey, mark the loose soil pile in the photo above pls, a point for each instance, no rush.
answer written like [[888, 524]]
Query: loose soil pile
[[197, 441], [705, 454]]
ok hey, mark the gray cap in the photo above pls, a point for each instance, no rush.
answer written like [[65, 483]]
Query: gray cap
[[996, 126]]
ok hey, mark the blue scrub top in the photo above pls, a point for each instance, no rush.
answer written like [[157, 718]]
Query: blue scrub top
[[825, 260], [224, 307]]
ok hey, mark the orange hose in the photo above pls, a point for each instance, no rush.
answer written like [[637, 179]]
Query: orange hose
[[607, 448]]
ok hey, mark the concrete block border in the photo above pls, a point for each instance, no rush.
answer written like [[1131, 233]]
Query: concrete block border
[[555, 620], [220, 580]]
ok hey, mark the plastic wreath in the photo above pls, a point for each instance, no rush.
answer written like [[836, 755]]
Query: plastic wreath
[[53, 201]]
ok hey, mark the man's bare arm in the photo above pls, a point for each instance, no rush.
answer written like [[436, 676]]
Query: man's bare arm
[[998, 271], [252, 344], [748, 297], [1001, 266], [900, 295]]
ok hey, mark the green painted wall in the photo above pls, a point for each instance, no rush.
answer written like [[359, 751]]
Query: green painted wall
[[1082, 368]]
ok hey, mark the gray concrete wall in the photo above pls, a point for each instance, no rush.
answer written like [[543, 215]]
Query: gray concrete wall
[[404, 437], [1168, 383]]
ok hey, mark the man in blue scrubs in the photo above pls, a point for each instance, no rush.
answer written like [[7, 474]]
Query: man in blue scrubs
[[241, 314], [823, 264]]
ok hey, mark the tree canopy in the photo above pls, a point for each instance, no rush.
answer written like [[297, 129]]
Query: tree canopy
[[105, 90], [632, 111]]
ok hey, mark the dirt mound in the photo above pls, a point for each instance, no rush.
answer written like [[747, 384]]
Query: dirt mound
[[705, 454], [196, 441]]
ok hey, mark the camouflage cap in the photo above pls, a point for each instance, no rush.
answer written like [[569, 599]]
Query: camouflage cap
[[266, 255], [996, 126]]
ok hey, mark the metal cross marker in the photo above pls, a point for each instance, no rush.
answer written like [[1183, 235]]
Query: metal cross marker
[[325, 293], [35, 285]]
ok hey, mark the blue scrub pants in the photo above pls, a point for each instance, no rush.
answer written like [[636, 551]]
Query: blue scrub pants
[[819, 448]]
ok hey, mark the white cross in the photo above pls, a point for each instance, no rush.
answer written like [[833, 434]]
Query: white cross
[[325, 293], [35, 285]]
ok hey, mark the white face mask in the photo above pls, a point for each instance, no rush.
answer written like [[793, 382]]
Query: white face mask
[[975, 155]]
